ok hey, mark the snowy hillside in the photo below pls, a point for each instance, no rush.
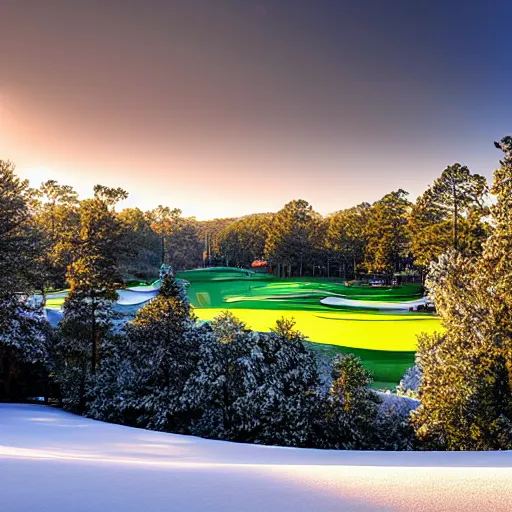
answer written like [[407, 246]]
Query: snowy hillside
[[54, 461]]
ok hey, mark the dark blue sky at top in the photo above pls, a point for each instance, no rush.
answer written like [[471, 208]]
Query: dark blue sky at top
[[363, 96]]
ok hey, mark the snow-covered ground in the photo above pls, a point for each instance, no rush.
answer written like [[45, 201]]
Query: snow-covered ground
[[54, 461]]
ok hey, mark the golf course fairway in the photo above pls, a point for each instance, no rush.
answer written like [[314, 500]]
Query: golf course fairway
[[374, 323], [386, 341]]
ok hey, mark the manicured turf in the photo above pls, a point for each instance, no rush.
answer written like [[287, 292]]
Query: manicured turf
[[218, 289], [386, 342], [346, 329], [54, 303]]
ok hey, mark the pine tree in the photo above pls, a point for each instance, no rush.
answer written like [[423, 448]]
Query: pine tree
[[23, 330], [55, 217], [466, 389], [346, 236], [88, 309], [18, 246], [351, 407], [164, 222], [455, 191], [387, 234], [254, 387], [243, 241], [143, 373], [218, 380], [289, 240], [449, 215], [140, 257]]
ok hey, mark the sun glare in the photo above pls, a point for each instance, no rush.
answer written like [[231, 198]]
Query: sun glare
[[37, 175]]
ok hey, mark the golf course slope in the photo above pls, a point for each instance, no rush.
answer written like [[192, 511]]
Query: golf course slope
[[375, 323], [52, 461]]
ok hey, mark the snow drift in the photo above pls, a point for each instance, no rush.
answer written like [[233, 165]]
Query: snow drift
[[54, 461]]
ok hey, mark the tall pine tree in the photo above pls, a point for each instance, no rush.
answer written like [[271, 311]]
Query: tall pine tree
[[22, 327], [466, 389], [93, 277]]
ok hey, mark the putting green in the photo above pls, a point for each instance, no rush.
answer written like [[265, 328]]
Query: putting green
[[382, 332]]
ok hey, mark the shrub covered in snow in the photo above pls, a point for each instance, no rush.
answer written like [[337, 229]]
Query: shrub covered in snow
[[253, 387], [410, 383], [393, 428]]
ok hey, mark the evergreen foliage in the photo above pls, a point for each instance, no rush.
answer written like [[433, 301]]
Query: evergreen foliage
[[387, 234], [351, 407], [221, 380], [23, 330], [253, 387], [88, 309], [466, 390], [289, 242], [55, 217], [449, 214], [143, 373], [346, 237], [243, 241]]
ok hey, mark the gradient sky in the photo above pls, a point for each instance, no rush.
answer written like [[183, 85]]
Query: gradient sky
[[230, 107]]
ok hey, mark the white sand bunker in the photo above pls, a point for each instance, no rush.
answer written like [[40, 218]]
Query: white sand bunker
[[402, 306]]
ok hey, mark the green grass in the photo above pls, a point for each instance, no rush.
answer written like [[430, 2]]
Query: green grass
[[54, 303], [386, 367], [360, 330], [219, 288], [386, 342]]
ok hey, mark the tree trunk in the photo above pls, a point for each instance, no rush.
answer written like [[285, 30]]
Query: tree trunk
[[81, 392], [94, 338], [455, 219]]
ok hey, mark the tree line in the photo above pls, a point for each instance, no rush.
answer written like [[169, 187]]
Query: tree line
[[391, 235]]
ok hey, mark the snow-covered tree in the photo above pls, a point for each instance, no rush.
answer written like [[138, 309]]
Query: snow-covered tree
[[23, 329], [253, 387], [142, 374], [93, 277]]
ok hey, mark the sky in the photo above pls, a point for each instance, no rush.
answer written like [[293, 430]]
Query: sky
[[230, 107]]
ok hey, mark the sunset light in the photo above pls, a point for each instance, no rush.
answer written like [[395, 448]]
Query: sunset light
[[255, 255]]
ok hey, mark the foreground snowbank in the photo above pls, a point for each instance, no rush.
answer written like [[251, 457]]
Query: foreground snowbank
[[52, 460]]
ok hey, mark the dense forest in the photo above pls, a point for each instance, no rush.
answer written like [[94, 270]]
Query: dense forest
[[391, 235], [165, 371]]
